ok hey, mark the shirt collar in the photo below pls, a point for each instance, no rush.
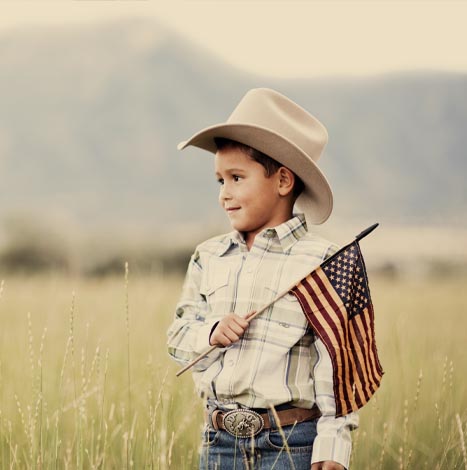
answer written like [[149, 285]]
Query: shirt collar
[[287, 234], [230, 239]]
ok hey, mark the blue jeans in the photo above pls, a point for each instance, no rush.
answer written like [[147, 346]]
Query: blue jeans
[[266, 451]]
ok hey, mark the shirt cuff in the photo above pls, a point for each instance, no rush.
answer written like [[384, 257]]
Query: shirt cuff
[[204, 333], [331, 448]]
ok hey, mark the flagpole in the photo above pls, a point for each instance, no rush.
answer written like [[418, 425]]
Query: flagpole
[[361, 235]]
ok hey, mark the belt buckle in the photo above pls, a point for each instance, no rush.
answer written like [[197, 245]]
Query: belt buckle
[[243, 423]]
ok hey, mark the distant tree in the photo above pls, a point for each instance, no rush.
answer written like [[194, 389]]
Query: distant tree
[[31, 246]]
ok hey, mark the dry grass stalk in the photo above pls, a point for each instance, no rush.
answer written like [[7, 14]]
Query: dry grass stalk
[[462, 439], [284, 438]]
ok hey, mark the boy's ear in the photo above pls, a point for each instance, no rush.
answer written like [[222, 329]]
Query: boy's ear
[[286, 181]]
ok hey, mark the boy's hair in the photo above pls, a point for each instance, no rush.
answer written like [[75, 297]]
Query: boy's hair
[[270, 165]]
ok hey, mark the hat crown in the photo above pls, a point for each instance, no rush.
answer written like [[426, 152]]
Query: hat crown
[[271, 110]]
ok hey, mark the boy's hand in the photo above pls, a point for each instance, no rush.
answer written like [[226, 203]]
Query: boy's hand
[[229, 330], [327, 465]]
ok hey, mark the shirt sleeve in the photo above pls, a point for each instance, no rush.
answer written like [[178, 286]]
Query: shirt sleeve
[[333, 441], [188, 335]]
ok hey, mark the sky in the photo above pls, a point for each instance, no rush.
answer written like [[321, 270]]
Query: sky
[[307, 38]]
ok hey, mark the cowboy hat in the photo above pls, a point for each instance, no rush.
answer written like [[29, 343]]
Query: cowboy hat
[[275, 125]]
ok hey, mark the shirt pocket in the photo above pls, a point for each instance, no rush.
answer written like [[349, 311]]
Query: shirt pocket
[[216, 288], [286, 311], [283, 326]]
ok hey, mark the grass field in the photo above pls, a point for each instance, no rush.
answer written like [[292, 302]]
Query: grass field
[[85, 381]]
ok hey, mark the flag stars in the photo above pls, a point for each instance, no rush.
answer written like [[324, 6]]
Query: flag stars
[[346, 274]]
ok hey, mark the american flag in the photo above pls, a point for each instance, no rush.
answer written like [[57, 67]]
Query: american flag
[[335, 299]]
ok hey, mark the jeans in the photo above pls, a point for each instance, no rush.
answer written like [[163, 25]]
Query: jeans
[[266, 451]]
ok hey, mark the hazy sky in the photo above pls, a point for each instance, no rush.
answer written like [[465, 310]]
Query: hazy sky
[[289, 38]]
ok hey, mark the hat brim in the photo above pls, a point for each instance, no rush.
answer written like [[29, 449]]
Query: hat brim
[[316, 200]]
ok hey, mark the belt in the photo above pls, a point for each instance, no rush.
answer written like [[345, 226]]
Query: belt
[[246, 422]]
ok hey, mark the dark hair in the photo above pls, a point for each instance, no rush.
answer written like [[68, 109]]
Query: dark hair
[[270, 165]]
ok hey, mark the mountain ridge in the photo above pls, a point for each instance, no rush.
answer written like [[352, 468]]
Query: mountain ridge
[[92, 116]]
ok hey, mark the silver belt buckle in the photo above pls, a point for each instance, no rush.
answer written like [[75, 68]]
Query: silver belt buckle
[[243, 423]]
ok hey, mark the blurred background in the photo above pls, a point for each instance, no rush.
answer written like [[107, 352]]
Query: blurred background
[[95, 97]]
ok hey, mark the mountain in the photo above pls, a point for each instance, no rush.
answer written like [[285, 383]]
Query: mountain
[[91, 116]]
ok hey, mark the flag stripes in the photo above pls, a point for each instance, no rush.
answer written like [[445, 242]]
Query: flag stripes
[[335, 299]]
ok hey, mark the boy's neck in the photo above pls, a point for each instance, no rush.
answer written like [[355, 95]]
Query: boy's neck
[[249, 237]]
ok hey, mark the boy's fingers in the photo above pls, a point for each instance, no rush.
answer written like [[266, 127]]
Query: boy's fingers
[[231, 335], [232, 321], [223, 340], [220, 340], [242, 322], [229, 330], [237, 328]]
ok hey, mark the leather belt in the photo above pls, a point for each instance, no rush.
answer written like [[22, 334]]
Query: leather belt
[[245, 422]]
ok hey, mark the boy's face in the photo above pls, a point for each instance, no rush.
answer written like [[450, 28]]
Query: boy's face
[[250, 198]]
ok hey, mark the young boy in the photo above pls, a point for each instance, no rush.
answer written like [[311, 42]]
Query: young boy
[[265, 162]]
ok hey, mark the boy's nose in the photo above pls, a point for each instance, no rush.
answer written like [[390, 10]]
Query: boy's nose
[[224, 193]]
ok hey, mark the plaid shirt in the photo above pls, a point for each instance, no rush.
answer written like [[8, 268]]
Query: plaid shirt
[[278, 359]]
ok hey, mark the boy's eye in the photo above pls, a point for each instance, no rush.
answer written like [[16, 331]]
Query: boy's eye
[[236, 177], [220, 181]]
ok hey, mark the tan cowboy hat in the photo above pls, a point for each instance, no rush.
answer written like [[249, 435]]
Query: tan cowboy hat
[[273, 124]]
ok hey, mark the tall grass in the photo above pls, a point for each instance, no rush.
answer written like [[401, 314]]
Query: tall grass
[[85, 381]]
